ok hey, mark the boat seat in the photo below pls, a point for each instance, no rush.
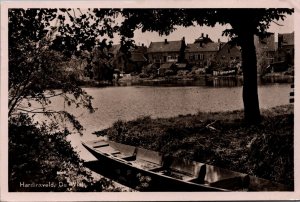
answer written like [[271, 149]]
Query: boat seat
[[99, 144], [149, 156], [224, 178], [189, 168], [125, 157], [108, 150], [128, 152]]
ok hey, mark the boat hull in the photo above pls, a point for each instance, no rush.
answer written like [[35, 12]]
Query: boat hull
[[147, 170], [133, 176]]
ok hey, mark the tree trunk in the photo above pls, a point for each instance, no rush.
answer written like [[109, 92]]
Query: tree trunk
[[250, 95]]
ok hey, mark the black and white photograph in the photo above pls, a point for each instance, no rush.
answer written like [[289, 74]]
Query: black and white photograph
[[152, 99]]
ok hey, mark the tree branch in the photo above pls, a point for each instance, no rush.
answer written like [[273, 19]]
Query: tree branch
[[277, 23]]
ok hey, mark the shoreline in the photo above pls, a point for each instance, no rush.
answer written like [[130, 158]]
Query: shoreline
[[187, 81]]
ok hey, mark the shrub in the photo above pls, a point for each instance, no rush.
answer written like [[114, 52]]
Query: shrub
[[40, 160]]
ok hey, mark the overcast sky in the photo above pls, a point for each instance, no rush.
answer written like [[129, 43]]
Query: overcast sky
[[215, 33]]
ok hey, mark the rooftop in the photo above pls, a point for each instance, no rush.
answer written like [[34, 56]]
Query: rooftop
[[195, 47], [287, 38], [165, 46]]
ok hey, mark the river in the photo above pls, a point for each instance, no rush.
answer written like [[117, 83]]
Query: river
[[166, 100], [131, 102]]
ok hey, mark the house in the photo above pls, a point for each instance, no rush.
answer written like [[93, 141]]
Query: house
[[265, 51], [228, 56], [137, 59], [128, 63], [286, 48], [166, 51], [202, 51], [201, 54]]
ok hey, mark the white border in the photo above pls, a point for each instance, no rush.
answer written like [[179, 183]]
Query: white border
[[138, 196]]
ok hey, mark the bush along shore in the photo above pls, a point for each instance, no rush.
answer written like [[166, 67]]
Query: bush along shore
[[44, 161], [221, 139]]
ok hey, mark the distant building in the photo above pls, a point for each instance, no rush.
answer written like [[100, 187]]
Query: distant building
[[265, 51], [286, 48], [227, 55], [166, 51], [127, 63], [202, 51]]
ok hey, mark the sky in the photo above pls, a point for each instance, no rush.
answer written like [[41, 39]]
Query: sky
[[215, 33]]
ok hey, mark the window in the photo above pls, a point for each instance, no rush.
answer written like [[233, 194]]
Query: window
[[201, 57]]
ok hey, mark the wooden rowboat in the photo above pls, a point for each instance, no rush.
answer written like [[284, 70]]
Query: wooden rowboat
[[165, 173]]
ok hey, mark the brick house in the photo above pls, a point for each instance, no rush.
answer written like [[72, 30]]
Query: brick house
[[286, 48], [166, 51], [227, 55], [201, 52], [201, 55], [265, 51], [128, 63]]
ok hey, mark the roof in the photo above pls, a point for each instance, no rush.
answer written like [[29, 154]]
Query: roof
[[203, 39], [287, 38], [267, 42], [195, 47], [137, 57], [170, 46], [166, 65], [140, 49]]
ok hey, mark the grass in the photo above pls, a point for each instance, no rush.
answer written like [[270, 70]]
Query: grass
[[220, 139]]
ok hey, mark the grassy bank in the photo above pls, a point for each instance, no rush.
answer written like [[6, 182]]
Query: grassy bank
[[220, 139]]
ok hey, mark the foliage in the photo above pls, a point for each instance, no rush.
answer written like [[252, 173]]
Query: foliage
[[45, 161], [222, 139], [41, 43]]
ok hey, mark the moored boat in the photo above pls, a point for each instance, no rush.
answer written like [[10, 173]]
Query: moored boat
[[166, 173]]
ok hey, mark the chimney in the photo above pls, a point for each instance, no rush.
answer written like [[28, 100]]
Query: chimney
[[166, 41], [202, 35], [207, 36], [219, 41], [142, 44]]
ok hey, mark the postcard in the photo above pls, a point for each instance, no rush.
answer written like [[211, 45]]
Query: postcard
[[149, 100]]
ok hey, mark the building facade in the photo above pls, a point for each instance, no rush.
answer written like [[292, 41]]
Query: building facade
[[286, 48], [166, 51]]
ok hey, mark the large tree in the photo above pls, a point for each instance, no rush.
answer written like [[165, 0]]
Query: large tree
[[41, 44], [245, 23]]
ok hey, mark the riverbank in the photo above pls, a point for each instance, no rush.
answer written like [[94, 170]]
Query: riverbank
[[220, 139]]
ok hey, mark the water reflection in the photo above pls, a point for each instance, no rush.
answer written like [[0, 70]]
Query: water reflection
[[231, 81], [224, 82]]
